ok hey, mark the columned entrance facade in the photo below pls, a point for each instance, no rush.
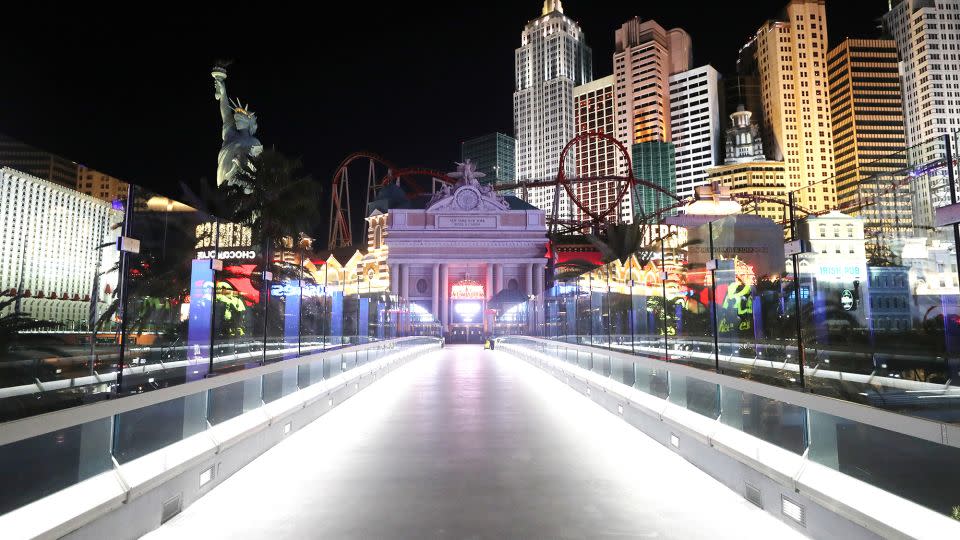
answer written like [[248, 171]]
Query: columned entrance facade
[[456, 253]]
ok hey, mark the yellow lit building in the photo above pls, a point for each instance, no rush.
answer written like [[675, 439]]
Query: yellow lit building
[[790, 55], [100, 185], [759, 186], [867, 111]]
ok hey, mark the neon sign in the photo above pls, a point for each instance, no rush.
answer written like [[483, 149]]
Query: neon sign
[[223, 234], [838, 271], [213, 237], [291, 289], [467, 289], [228, 254]]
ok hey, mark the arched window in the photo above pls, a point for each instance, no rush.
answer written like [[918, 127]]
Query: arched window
[[377, 237]]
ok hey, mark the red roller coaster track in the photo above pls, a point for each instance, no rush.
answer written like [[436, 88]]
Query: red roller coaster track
[[341, 233]]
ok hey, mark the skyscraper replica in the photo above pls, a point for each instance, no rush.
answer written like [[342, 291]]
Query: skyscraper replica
[[644, 58], [594, 103], [790, 55], [868, 137], [655, 162], [552, 59], [695, 126], [495, 155], [926, 33]]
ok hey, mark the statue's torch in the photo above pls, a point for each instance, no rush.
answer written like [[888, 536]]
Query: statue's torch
[[219, 74]]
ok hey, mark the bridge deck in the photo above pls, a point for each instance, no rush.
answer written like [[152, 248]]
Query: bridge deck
[[467, 443]]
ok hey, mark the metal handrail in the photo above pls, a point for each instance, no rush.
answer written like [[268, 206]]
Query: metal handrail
[[921, 428], [33, 426]]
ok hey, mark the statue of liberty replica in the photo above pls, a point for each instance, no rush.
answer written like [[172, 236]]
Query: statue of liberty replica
[[234, 164]]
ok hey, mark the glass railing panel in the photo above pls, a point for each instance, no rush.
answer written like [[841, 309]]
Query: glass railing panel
[[645, 323], [568, 295], [283, 311], [352, 308], [279, 384], [655, 382], [773, 421], [336, 313], [685, 303], [34, 468], [142, 431], [551, 313], [600, 308], [601, 364], [880, 291], [922, 471], [232, 400], [243, 299], [620, 305], [377, 316], [349, 360], [332, 366], [314, 317], [58, 296], [585, 320], [585, 360], [698, 396], [169, 312], [755, 313], [621, 370]]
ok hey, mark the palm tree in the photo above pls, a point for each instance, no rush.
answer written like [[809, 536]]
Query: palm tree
[[281, 202], [621, 241]]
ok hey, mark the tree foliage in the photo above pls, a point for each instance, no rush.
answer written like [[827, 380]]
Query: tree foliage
[[281, 201]]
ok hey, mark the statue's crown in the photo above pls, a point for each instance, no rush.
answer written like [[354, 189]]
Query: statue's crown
[[242, 109]]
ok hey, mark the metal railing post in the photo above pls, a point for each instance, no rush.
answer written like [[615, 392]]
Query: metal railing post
[[801, 350]]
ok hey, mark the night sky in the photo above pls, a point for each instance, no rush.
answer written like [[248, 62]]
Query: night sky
[[131, 94]]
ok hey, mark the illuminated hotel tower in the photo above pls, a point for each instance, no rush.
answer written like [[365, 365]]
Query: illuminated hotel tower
[[552, 59], [868, 138], [927, 36], [645, 57], [695, 126], [595, 108], [790, 55]]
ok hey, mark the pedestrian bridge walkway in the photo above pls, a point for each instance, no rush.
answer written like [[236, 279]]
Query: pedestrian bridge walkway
[[468, 443], [537, 439]]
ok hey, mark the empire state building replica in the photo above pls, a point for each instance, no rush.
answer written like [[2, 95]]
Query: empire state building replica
[[552, 59]]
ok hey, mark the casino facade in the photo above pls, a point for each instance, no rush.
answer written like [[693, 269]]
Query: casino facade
[[462, 256]]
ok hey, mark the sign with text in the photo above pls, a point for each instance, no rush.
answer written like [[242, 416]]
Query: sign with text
[[467, 289], [467, 222]]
